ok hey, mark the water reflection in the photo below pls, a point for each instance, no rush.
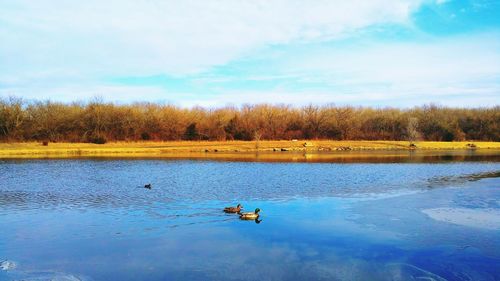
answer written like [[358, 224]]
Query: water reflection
[[87, 220], [354, 156]]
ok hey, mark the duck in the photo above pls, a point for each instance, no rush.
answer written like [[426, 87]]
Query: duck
[[250, 215], [233, 210], [148, 186]]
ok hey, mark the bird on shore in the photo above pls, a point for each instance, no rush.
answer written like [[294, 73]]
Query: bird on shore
[[250, 215], [233, 210], [148, 186]]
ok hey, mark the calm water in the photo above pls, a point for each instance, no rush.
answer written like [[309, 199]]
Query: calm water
[[91, 220]]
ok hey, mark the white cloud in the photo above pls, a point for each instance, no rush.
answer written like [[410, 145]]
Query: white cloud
[[79, 92], [459, 97], [433, 71], [64, 50], [458, 71], [447, 60], [175, 37]]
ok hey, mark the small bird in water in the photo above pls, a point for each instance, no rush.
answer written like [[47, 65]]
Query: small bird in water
[[250, 215], [148, 186], [233, 210]]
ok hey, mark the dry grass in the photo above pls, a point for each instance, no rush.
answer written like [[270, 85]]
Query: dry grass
[[193, 148]]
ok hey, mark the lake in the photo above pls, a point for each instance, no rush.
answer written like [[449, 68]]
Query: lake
[[91, 219]]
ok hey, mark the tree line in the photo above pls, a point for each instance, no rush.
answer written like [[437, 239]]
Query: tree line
[[97, 121]]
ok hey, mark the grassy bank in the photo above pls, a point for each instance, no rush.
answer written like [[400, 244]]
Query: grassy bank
[[180, 148]]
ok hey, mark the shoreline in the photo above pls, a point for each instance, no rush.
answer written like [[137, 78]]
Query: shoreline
[[279, 150]]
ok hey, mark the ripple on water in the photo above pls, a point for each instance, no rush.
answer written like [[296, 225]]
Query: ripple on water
[[104, 184], [17, 273], [83, 209], [403, 272], [50, 276]]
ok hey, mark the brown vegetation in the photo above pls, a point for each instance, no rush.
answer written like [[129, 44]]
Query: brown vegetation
[[99, 122]]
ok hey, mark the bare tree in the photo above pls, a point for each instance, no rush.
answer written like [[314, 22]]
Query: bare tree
[[412, 130], [97, 120], [256, 136]]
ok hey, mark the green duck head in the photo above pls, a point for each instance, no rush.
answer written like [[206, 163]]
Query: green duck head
[[239, 206], [257, 210]]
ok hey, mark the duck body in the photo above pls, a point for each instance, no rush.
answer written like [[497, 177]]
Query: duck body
[[250, 215], [233, 210], [148, 186]]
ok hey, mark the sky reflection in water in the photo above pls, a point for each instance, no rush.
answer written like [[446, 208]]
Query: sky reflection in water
[[90, 220]]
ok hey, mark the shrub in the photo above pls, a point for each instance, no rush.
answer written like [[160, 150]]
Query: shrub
[[145, 136], [98, 140]]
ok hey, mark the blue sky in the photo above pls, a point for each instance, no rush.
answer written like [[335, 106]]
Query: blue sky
[[213, 53]]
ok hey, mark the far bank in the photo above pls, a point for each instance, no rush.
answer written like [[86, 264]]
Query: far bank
[[266, 150]]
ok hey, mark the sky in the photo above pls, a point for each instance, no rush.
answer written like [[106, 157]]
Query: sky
[[212, 53]]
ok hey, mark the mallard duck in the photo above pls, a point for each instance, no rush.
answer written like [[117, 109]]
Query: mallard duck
[[250, 215], [236, 209], [148, 186]]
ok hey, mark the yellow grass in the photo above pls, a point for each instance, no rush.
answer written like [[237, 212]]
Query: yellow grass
[[200, 149]]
